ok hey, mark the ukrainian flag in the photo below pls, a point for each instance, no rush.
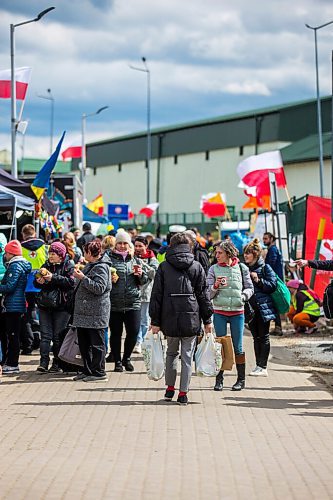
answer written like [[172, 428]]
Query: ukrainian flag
[[42, 180]]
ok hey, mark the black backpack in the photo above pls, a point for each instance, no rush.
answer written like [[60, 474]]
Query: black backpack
[[328, 301]]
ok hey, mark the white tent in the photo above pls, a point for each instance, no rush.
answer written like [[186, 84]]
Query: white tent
[[11, 201]]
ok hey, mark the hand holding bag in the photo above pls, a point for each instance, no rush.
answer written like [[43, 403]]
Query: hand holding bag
[[69, 350], [153, 355], [207, 357]]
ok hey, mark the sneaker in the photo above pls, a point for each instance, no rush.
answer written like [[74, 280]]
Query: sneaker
[[312, 330], [118, 367], [42, 369], [169, 394], [182, 400], [79, 376], [260, 372], [254, 371], [128, 365], [277, 331], [55, 369], [137, 349], [93, 378], [8, 370], [109, 358]]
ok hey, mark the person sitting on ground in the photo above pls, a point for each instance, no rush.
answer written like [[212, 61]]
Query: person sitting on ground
[[304, 310], [86, 237]]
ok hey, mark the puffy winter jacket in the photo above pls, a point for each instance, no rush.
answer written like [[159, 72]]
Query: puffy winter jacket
[[262, 301], [126, 294], [3, 243], [179, 299], [14, 283]]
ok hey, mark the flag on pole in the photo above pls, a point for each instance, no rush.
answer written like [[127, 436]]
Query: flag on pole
[[22, 78], [42, 179], [253, 172], [149, 209], [72, 152], [213, 205], [97, 205], [130, 213]]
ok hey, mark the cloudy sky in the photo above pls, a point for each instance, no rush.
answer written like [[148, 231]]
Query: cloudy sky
[[206, 58]]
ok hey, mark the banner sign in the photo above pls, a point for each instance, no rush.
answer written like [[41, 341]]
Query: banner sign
[[118, 211]]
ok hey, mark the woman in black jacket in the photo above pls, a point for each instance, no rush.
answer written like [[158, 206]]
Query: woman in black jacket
[[56, 281], [264, 282]]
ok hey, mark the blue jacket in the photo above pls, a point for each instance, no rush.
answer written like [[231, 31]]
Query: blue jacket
[[3, 243], [274, 259], [262, 301], [14, 283]]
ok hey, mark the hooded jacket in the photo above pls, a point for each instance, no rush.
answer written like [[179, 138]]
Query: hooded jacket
[[14, 283], [179, 299], [262, 301], [3, 243]]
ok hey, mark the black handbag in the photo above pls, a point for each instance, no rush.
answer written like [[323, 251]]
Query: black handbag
[[49, 299], [249, 312]]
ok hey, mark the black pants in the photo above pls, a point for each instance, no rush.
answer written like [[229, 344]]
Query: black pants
[[131, 319], [92, 348], [10, 338], [260, 334], [52, 325], [278, 321]]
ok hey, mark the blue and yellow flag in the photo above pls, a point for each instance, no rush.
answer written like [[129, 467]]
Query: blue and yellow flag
[[42, 180]]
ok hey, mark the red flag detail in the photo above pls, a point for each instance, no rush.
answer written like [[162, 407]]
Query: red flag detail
[[72, 152]]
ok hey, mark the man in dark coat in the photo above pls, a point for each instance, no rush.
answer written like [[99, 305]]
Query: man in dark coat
[[178, 304], [86, 237]]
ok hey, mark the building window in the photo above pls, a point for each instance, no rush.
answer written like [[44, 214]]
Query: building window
[[119, 167], [175, 160], [146, 163], [241, 150], [207, 155]]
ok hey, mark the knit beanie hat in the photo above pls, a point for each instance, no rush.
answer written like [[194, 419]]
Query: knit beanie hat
[[123, 237], [14, 247], [58, 248]]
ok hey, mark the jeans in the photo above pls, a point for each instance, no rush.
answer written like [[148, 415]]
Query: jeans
[[92, 347], [144, 322], [260, 334], [10, 338], [187, 346], [52, 324], [131, 320], [236, 327]]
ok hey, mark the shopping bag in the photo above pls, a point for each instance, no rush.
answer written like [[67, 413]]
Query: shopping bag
[[281, 297], [153, 355], [228, 355], [208, 358], [69, 350]]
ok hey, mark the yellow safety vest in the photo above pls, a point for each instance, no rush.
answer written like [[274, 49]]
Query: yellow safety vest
[[310, 306]]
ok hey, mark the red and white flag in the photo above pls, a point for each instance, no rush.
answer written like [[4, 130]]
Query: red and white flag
[[22, 77], [149, 209], [254, 170], [213, 205], [72, 152]]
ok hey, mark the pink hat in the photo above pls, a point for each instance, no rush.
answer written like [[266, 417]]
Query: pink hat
[[293, 284], [14, 247], [58, 248]]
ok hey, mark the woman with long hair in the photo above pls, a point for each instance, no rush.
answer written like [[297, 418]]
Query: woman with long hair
[[73, 250]]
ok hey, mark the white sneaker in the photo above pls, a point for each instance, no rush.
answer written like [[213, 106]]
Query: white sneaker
[[260, 372], [137, 349], [254, 370], [7, 370]]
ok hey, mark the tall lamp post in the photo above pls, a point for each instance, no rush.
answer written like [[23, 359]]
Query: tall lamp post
[[50, 98], [84, 156], [146, 70], [320, 137], [13, 85]]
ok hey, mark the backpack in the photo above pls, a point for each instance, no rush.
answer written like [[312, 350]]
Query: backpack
[[281, 296], [328, 301]]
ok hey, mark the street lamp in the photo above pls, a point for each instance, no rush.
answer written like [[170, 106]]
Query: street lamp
[[13, 86], [146, 70], [83, 154], [320, 137], [50, 98]]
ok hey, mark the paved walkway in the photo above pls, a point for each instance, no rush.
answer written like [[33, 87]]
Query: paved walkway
[[61, 439]]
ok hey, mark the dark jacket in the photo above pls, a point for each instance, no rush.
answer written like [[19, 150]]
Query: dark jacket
[[179, 299], [201, 255], [87, 237], [262, 301], [14, 283], [126, 294], [324, 265], [62, 279], [275, 260]]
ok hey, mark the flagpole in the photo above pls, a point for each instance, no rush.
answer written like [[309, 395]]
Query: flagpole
[[289, 199]]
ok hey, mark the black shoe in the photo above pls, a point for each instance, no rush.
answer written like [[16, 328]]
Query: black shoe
[[42, 369], [26, 352], [169, 395], [128, 365], [182, 400], [109, 358], [219, 382], [118, 367], [239, 385], [55, 369]]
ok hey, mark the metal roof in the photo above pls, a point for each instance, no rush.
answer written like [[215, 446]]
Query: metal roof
[[307, 149]]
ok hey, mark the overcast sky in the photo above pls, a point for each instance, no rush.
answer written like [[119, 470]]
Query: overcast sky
[[207, 58]]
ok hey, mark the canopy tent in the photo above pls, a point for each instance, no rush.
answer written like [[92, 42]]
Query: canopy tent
[[90, 216], [11, 201]]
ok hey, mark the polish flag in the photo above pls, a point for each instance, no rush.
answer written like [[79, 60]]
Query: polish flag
[[254, 170], [149, 209], [213, 205], [22, 77], [130, 213], [72, 152]]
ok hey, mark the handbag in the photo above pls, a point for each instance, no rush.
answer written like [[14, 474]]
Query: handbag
[[249, 312], [281, 296], [69, 350], [228, 355], [49, 299]]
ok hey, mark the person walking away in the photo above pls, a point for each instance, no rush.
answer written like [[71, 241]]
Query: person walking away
[[92, 311], [265, 282], [151, 264], [230, 286], [56, 281], [200, 253], [86, 237], [304, 309], [13, 287], [125, 301], [275, 260], [179, 303]]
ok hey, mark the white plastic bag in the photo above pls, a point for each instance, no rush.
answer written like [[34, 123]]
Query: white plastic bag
[[208, 359], [153, 355]]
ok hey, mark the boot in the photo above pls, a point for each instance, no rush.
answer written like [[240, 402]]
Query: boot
[[240, 365], [219, 381]]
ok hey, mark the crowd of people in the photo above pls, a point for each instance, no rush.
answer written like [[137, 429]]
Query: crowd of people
[[124, 283]]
